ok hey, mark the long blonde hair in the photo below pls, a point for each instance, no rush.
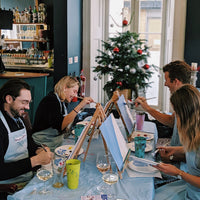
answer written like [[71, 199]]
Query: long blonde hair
[[66, 81], [186, 103]]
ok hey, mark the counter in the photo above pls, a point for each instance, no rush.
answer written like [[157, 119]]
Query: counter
[[30, 68]]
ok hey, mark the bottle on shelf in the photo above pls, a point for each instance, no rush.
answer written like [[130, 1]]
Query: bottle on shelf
[[17, 15], [49, 60], [30, 15], [35, 15], [14, 20], [26, 15]]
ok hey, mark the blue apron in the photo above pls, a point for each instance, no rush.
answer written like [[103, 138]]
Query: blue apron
[[17, 150], [50, 136], [181, 190], [175, 141], [192, 192]]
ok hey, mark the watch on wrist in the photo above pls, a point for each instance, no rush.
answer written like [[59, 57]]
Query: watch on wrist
[[180, 174], [171, 157]]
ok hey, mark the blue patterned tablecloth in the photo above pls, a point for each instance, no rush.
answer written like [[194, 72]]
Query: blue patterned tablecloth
[[127, 188]]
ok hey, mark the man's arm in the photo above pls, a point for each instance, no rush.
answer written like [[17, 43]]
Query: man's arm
[[165, 119]]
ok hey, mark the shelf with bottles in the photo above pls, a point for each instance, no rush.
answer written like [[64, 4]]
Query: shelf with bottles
[[26, 32], [31, 56]]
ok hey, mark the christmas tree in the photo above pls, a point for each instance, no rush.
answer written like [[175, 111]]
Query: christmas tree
[[125, 59]]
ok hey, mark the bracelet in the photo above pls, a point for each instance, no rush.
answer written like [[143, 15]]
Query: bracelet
[[75, 111], [180, 174], [171, 157]]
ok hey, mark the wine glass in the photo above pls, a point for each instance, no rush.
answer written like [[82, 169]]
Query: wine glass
[[110, 178], [44, 174], [103, 165]]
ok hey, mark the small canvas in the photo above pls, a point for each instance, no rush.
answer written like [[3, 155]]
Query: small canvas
[[115, 141], [125, 113], [78, 143]]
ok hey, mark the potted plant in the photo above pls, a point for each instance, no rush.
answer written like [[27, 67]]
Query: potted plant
[[125, 59]]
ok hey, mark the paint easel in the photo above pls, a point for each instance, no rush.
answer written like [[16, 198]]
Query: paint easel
[[108, 110], [98, 117]]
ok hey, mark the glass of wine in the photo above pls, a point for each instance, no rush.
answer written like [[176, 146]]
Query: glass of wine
[[110, 178], [103, 165], [44, 174]]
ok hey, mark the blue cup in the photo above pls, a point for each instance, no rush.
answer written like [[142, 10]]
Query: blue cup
[[78, 130], [140, 145]]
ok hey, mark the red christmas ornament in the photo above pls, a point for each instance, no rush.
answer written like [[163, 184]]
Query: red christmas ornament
[[146, 66], [139, 51], [116, 50], [125, 22], [119, 83]]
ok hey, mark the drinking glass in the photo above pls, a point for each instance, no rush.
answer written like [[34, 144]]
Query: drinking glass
[[103, 165], [110, 178], [58, 171], [44, 174]]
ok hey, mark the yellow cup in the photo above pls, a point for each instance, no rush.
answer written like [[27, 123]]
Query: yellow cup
[[73, 169]]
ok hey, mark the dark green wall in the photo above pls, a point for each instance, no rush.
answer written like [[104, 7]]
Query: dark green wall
[[21, 4], [192, 35]]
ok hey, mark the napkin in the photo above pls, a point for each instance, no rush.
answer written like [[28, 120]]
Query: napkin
[[139, 171], [132, 173]]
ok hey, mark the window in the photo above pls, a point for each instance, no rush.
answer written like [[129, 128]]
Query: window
[[149, 25]]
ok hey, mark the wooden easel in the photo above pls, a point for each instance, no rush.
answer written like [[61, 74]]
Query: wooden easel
[[108, 110], [98, 117], [125, 164], [126, 158]]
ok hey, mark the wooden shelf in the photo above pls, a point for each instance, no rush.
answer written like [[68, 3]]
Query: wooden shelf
[[23, 40], [38, 24]]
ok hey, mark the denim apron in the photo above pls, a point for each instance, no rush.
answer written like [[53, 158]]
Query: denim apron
[[50, 136], [175, 141], [17, 150], [192, 192]]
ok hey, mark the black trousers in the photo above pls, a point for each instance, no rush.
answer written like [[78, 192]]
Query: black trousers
[[3, 195]]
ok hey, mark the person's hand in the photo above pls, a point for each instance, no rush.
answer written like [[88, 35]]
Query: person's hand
[[172, 153], [167, 169], [141, 101], [166, 153], [42, 158], [86, 100], [40, 149]]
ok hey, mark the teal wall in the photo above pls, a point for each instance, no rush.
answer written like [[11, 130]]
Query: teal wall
[[21, 4]]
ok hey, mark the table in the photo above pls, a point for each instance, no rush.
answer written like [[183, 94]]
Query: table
[[126, 188]]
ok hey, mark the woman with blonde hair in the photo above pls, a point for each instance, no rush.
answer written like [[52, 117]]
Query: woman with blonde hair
[[52, 118], [186, 104]]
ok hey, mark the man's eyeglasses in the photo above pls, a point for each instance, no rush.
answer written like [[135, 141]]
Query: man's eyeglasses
[[24, 102]]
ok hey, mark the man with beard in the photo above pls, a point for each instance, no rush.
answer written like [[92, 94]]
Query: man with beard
[[18, 152], [177, 74]]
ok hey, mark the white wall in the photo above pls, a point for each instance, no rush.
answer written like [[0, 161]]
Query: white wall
[[179, 29]]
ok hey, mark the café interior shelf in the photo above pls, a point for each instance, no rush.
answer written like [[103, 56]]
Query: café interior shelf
[[26, 32], [23, 40]]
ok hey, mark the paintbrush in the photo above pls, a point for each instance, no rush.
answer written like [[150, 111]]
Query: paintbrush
[[157, 150], [43, 147], [83, 98], [146, 99]]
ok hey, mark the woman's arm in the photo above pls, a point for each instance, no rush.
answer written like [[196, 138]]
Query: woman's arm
[[172, 153], [174, 171], [68, 119]]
